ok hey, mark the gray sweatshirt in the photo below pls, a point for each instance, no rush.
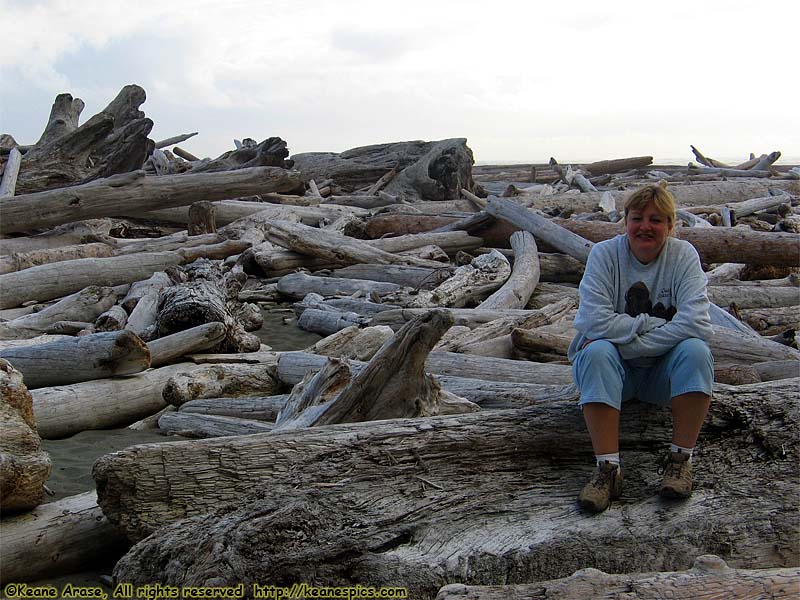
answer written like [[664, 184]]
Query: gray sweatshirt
[[645, 310]]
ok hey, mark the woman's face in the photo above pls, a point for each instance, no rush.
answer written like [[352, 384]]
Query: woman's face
[[647, 231]]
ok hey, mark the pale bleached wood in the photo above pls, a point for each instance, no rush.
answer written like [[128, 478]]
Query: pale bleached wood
[[56, 538], [85, 305], [292, 366], [46, 282], [220, 380], [171, 347], [327, 322], [65, 410], [10, 173], [297, 285], [143, 317], [468, 283], [133, 194], [353, 342], [524, 278], [258, 408], [209, 426], [84, 358], [25, 260], [69, 234], [772, 370], [156, 282], [177, 139], [726, 272], [747, 296], [471, 317], [709, 577], [24, 466]]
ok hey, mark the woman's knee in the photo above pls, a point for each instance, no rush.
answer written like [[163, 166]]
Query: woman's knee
[[694, 350], [601, 351]]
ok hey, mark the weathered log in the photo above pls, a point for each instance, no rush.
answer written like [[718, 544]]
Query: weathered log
[[171, 141], [411, 486], [297, 285], [85, 305], [142, 319], [772, 321], [292, 366], [269, 153], [563, 240], [618, 165], [70, 234], [175, 241], [113, 319], [524, 278], [709, 577], [201, 218], [258, 408], [353, 343], [440, 174], [414, 277], [209, 426], [65, 410], [24, 466], [156, 282], [729, 346], [468, 284], [133, 194], [26, 260], [207, 297], [773, 370], [74, 360], [216, 381], [8, 184], [326, 322], [60, 537], [470, 317], [112, 141], [171, 347], [46, 282]]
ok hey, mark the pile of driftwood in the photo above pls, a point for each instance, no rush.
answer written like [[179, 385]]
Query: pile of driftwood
[[431, 437]]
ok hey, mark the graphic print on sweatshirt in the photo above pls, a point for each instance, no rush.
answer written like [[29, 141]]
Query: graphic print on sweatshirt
[[637, 301]]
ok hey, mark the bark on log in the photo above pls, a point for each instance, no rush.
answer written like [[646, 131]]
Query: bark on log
[[59, 537], [618, 165], [85, 305], [524, 278], [112, 141], [46, 282], [201, 218], [65, 410], [412, 485], [133, 194], [709, 577], [216, 381], [24, 466], [114, 319], [95, 356]]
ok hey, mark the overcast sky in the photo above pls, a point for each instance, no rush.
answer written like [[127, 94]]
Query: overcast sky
[[522, 81]]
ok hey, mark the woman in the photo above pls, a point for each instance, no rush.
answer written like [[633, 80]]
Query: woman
[[642, 325]]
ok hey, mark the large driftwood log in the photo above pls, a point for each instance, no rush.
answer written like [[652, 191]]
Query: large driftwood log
[[772, 321], [208, 296], [69, 234], [469, 283], [85, 305], [26, 260], [618, 165], [559, 238], [469, 317], [223, 380], [393, 384], [423, 495], [199, 426], [132, 194], [353, 342], [46, 282], [293, 366], [24, 466], [257, 408], [442, 168], [171, 347], [79, 359], [746, 296], [112, 141], [524, 278], [709, 577], [297, 285], [55, 538], [65, 410]]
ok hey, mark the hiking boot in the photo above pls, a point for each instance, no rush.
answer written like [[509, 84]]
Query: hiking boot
[[677, 470], [605, 485]]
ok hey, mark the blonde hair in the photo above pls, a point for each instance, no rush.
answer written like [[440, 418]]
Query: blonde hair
[[658, 195]]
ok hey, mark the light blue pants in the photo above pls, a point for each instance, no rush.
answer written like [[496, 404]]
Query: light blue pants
[[603, 376]]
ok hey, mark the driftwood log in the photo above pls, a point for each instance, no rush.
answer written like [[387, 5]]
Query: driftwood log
[[524, 278], [222, 380], [199, 426], [24, 466], [709, 577], [55, 538], [112, 141], [73, 360], [413, 502], [169, 348]]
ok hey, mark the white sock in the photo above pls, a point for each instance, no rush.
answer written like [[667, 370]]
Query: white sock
[[682, 450], [612, 458]]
